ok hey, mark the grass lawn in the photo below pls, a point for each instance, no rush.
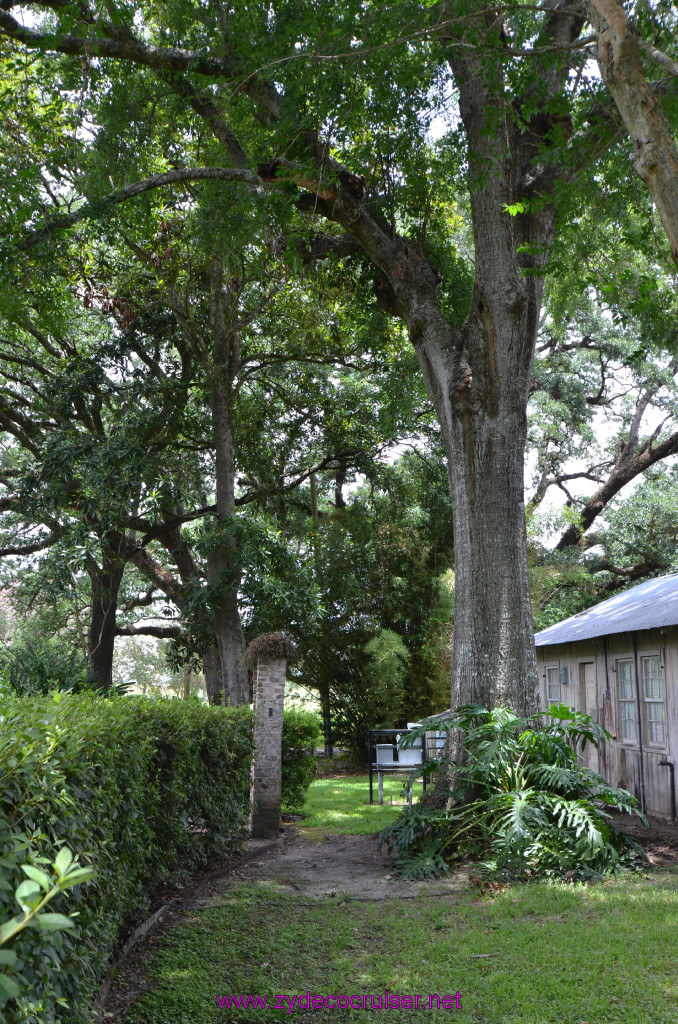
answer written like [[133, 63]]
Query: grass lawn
[[533, 954], [537, 954], [343, 805]]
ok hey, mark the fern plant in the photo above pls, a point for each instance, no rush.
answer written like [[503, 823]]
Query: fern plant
[[523, 803]]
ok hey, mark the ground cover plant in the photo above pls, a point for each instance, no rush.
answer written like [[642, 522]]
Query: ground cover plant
[[343, 805], [523, 956], [523, 803]]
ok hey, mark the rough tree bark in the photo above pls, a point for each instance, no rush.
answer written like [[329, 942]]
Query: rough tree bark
[[223, 573], [105, 582], [655, 155]]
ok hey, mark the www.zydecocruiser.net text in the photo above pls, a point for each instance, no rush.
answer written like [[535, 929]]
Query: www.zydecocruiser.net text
[[384, 1001]]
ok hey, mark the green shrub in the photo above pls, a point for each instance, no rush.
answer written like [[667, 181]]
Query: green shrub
[[32, 895], [523, 803], [364, 680], [142, 791], [31, 664], [302, 732]]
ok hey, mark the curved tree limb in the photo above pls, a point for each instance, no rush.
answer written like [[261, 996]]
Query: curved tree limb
[[655, 155], [626, 469], [659, 56], [162, 632], [119, 42], [28, 549], [99, 207]]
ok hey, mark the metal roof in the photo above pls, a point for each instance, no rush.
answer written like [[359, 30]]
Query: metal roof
[[650, 605]]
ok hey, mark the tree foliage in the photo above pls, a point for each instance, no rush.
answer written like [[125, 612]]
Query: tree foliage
[[440, 156]]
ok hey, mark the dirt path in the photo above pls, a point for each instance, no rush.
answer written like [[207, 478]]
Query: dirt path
[[308, 861], [318, 864], [660, 844], [322, 864]]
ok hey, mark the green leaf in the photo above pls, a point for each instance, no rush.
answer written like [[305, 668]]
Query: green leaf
[[8, 988], [53, 922], [8, 957], [77, 876], [37, 875], [63, 861], [28, 893]]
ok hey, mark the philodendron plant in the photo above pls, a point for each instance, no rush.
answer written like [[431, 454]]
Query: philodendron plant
[[523, 805]]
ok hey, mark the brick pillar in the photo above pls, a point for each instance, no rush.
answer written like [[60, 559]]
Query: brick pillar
[[265, 793]]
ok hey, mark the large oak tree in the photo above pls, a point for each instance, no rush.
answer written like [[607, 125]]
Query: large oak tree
[[327, 109]]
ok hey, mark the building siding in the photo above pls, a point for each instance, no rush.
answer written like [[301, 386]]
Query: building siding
[[595, 691]]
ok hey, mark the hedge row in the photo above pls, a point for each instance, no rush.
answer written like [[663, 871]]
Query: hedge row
[[144, 791], [302, 732]]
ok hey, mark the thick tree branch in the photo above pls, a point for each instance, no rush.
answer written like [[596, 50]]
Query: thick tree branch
[[100, 207], [206, 109], [120, 43], [659, 56], [142, 600], [625, 470], [121, 47], [630, 574], [655, 155], [156, 573], [162, 632], [28, 549]]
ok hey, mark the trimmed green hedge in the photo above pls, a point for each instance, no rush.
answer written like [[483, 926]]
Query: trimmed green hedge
[[302, 731], [144, 791]]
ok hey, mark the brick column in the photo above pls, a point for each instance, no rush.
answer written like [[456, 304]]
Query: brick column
[[269, 694], [269, 655]]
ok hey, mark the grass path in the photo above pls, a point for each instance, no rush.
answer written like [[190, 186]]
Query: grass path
[[342, 804], [538, 954]]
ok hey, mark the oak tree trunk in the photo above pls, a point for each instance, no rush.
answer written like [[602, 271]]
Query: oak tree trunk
[[211, 667], [105, 581], [484, 431], [223, 571]]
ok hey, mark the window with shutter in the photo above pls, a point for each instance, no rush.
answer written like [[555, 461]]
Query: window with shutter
[[552, 684], [653, 694], [627, 699]]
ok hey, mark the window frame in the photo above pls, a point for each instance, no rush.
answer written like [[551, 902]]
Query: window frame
[[553, 667], [582, 685], [645, 701], [621, 701]]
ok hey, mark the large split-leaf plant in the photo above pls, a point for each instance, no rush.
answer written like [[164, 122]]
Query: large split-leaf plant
[[524, 804]]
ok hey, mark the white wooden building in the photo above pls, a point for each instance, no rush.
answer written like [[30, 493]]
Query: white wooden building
[[618, 662]]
